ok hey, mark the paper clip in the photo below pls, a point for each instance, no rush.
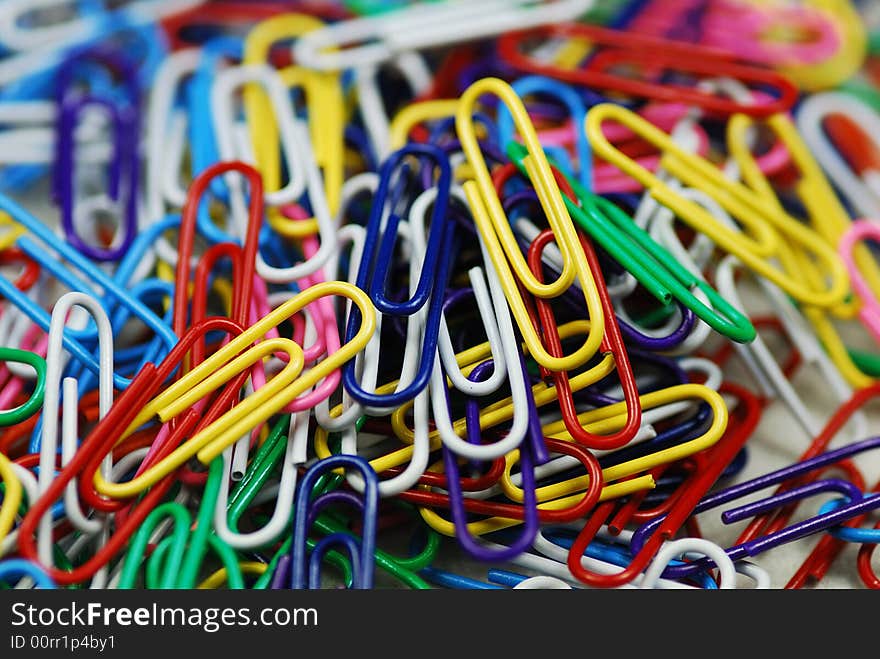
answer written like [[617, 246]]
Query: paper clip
[[647, 261], [12, 568], [286, 443], [427, 286], [351, 237], [494, 227], [325, 106], [529, 505], [869, 313], [850, 165], [262, 76], [756, 33], [244, 258], [225, 364], [695, 257], [628, 47], [840, 65], [858, 504], [765, 523], [300, 162], [577, 109], [612, 343], [123, 174], [768, 225], [824, 210], [520, 395], [682, 546], [14, 35], [95, 528], [424, 26], [32, 406], [362, 556]]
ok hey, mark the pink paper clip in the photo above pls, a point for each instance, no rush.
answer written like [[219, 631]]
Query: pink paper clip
[[869, 313]]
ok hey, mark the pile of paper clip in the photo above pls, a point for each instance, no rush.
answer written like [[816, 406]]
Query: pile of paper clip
[[497, 294]]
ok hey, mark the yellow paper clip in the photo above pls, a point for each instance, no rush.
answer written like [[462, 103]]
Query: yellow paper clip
[[769, 226], [496, 232], [324, 102], [830, 220], [231, 359]]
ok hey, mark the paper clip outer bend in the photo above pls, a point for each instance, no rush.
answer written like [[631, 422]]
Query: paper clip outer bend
[[629, 47], [306, 511], [208, 443], [495, 229], [845, 63], [245, 256], [769, 226], [35, 401], [841, 131]]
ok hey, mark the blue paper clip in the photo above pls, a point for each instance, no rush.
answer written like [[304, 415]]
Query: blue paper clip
[[578, 110], [114, 293], [203, 145], [18, 567], [375, 263], [305, 510], [849, 533]]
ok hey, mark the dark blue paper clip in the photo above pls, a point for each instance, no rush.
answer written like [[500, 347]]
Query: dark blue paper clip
[[376, 262], [305, 511]]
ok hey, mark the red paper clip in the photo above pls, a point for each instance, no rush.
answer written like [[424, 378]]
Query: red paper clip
[[653, 54]]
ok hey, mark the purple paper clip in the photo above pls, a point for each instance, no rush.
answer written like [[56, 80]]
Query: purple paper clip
[[123, 174], [858, 504]]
